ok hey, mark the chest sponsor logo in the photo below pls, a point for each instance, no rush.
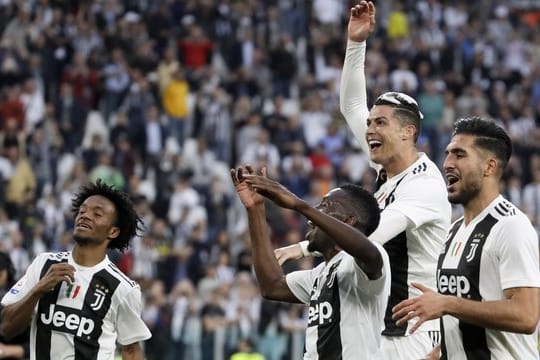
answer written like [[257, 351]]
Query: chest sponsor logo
[[68, 322], [320, 314], [457, 285]]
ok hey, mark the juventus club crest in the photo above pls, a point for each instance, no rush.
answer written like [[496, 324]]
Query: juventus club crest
[[99, 297], [476, 240]]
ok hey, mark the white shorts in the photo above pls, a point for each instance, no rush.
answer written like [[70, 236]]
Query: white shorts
[[412, 347]]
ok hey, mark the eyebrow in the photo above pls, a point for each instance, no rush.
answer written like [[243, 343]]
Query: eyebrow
[[377, 118], [455, 150]]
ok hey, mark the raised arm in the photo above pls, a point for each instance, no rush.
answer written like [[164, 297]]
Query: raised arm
[[353, 97], [343, 234], [269, 274]]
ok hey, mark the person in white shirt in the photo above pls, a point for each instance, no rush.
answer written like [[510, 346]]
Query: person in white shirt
[[488, 273], [78, 303], [415, 212], [348, 292]]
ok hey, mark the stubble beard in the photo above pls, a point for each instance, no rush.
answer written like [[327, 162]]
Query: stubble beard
[[83, 240], [466, 194]]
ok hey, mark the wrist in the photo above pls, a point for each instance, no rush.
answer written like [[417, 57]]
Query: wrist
[[449, 305], [305, 252], [303, 247]]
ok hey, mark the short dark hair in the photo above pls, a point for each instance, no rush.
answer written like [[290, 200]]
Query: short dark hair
[[406, 109], [127, 219], [488, 136], [367, 208]]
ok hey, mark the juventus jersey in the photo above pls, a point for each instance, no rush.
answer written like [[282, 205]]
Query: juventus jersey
[[346, 309], [85, 319], [419, 193], [498, 250]]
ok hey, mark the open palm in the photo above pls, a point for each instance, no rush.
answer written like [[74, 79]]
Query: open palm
[[361, 21], [247, 194]]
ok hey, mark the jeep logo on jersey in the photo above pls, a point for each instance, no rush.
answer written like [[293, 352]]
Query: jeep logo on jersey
[[457, 285], [320, 314], [67, 322]]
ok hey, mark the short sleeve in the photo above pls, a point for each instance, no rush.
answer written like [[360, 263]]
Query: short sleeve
[[362, 282], [421, 199], [301, 283], [517, 249], [129, 324], [27, 282]]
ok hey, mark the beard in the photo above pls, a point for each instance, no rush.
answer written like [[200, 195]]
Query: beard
[[83, 240], [466, 194]]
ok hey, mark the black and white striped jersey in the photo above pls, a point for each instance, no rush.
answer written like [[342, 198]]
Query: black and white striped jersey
[[346, 309], [419, 193], [498, 250], [85, 319]]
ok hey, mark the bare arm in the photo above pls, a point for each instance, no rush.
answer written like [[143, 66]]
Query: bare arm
[[343, 234], [16, 317], [348, 238], [132, 352], [517, 312], [269, 274]]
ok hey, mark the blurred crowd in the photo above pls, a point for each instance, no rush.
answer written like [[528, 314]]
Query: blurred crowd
[[161, 98]]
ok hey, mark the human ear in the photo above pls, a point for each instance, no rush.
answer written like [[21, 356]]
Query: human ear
[[114, 232]]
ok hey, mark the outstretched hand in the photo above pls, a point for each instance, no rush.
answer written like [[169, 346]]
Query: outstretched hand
[[273, 190], [361, 21], [428, 306], [247, 193]]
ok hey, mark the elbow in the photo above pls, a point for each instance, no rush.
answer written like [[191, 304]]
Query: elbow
[[529, 325], [5, 331], [268, 294]]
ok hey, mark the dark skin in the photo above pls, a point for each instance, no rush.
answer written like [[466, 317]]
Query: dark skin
[[95, 226], [332, 230]]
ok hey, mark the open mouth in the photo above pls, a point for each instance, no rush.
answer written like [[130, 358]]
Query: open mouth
[[374, 144], [84, 226], [451, 179]]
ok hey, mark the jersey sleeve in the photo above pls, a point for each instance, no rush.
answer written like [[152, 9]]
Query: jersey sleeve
[[421, 199], [129, 324], [517, 249], [353, 96], [27, 282], [360, 280], [301, 283]]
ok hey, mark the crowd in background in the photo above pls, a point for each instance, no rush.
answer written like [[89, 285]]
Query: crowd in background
[[161, 98]]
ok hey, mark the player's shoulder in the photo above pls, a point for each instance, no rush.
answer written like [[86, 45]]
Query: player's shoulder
[[125, 283], [508, 214], [424, 167], [425, 177], [51, 257]]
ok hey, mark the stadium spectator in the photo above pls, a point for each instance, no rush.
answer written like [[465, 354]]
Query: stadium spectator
[[19, 346]]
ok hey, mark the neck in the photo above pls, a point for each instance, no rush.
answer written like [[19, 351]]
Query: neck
[[86, 255], [478, 204], [401, 162], [329, 254]]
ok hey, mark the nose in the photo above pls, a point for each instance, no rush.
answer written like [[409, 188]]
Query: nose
[[448, 163]]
